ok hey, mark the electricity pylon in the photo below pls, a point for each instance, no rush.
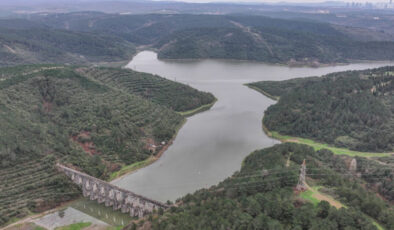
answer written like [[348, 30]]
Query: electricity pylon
[[301, 186]]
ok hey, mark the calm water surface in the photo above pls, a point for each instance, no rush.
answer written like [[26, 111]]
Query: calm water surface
[[212, 144]]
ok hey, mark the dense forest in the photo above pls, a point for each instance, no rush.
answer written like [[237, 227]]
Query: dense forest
[[92, 37], [243, 37], [273, 41], [262, 196], [26, 42], [71, 115], [352, 109]]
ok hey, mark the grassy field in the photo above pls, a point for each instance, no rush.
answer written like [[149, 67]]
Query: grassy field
[[378, 226], [131, 168], [318, 146], [308, 195], [262, 92], [76, 226], [198, 110], [314, 196]]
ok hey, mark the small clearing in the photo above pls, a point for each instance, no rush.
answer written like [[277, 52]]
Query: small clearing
[[313, 194]]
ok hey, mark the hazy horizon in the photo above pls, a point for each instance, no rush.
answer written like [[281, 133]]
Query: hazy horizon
[[278, 1], [197, 1]]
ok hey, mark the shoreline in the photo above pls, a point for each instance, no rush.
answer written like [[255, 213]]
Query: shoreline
[[296, 65], [275, 98], [318, 146], [128, 169], [255, 61], [312, 143], [132, 168], [200, 109]]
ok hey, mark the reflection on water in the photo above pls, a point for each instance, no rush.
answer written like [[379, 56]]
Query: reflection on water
[[99, 211], [212, 144], [84, 210]]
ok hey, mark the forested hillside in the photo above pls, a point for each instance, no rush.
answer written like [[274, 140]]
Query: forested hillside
[[25, 42], [230, 36], [177, 97], [273, 41], [52, 114], [352, 109], [262, 196]]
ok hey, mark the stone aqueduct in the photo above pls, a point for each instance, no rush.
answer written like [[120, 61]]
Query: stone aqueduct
[[111, 195]]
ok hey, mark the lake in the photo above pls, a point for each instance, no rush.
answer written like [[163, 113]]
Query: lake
[[211, 145]]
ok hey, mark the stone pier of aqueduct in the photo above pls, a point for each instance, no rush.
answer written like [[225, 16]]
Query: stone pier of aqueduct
[[111, 195]]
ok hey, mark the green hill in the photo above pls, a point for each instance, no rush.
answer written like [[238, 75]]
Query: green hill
[[52, 114], [243, 37], [273, 41], [352, 109], [177, 97], [261, 196], [25, 42]]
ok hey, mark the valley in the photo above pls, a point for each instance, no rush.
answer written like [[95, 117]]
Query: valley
[[112, 39], [140, 115]]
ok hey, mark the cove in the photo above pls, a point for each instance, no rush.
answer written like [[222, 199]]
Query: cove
[[211, 145]]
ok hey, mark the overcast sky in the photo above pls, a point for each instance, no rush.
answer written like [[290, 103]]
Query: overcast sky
[[280, 1], [241, 1], [277, 1]]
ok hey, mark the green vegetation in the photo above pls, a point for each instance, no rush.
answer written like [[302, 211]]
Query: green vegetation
[[131, 168], [263, 92], [25, 226], [315, 196], [25, 42], [39, 228], [308, 195], [76, 226], [378, 226], [242, 37], [349, 110], [318, 146], [273, 41], [198, 110], [115, 228], [261, 196], [178, 97], [70, 115]]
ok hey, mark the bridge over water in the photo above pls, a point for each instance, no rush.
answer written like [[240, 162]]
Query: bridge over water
[[111, 195]]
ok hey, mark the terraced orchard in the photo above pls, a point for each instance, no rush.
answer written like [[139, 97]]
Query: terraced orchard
[[83, 117], [175, 96]]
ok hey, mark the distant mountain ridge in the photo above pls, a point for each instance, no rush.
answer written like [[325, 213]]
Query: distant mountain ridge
[[26, 42], [258, 38]]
